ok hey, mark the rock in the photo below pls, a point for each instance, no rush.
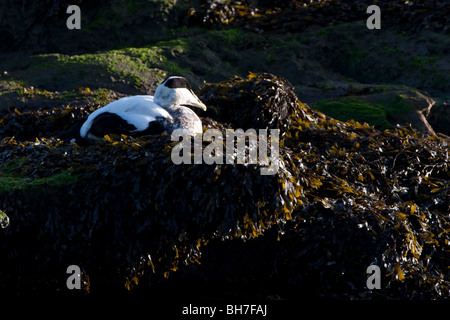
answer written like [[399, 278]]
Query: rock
[[406, 106], [294, 16], [345, 196], [439, 117], [394, 106], [29, 27]]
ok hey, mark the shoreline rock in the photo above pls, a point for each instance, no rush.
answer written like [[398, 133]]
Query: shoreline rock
[[346, 196]]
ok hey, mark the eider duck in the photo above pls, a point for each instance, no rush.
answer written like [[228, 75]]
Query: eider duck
[[139, 115]]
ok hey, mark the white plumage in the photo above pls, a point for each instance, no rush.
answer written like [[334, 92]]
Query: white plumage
[[165, 111]]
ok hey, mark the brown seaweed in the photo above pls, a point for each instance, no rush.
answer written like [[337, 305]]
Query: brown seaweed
[[345, 196]]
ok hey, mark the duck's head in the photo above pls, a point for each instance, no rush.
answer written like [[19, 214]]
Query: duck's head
[[176, 91]]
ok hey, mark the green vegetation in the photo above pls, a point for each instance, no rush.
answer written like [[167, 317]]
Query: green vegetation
[[347, 109], [10, 180], [230, 36], [341, 189], [425, 63], [382, 113], [8, 184], [345, 194], [396, 106], [211, 55]]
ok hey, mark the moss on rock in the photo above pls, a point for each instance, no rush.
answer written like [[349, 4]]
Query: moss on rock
[[346, 109]]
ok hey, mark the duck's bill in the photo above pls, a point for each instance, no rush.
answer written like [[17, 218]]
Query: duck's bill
[[199, 105], [195, 102]]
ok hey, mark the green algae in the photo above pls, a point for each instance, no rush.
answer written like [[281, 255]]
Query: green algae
[[8, 184], [353, 109]]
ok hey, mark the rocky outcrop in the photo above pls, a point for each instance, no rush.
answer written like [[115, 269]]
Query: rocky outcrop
[[408, 106], [439, 118], [345, 196], [40, 28]]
